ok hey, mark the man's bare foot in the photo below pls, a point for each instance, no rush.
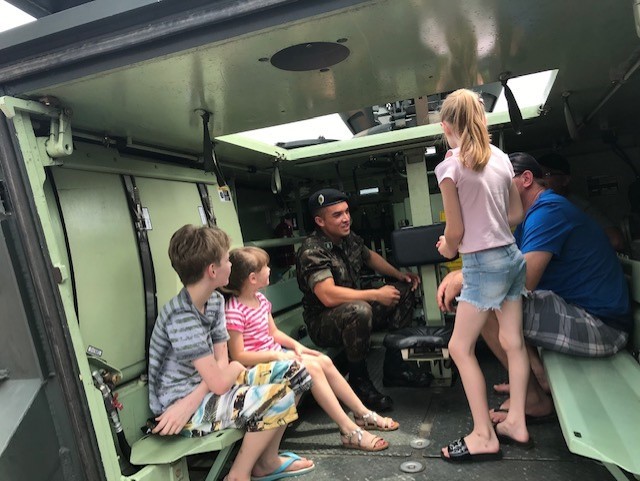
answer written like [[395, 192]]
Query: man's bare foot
[[541, 409], [517, 433], [503, 387]]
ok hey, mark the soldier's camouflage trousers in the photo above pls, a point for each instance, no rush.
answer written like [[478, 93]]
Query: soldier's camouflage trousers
[[350, 324]]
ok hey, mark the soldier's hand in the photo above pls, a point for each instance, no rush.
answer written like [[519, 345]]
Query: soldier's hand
[[412, 278], [388, 295]]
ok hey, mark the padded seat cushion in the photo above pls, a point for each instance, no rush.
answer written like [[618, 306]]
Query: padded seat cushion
[[416, 246], [419, 336]]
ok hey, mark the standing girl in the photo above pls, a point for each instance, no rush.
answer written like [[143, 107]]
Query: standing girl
[[256, 339], [481, 202]]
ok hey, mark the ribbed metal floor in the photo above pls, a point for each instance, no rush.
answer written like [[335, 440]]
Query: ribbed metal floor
[[440, 415]]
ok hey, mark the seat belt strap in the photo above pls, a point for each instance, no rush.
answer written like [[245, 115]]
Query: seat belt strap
[[206, 205], [146, 260]]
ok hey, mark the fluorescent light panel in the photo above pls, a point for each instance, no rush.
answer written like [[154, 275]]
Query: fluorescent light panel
[[529, 90], [11, 16], [330, 127], [370, 191]]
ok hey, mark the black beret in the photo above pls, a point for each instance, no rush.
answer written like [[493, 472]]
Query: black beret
[[324, 198], [522, 161]]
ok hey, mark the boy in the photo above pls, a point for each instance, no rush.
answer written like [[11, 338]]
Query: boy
[[194, 389]]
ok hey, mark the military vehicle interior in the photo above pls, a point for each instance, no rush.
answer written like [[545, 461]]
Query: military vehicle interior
[[131, 119]]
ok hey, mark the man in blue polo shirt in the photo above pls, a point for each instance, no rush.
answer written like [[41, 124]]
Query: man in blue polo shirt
[[579, 300]]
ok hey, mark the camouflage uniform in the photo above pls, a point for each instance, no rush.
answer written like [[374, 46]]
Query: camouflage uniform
[[349, 324]]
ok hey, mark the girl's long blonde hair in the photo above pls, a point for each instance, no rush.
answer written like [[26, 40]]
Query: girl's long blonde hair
[[244, 261], [464, 112]]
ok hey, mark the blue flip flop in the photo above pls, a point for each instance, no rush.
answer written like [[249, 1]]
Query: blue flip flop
[[281, 472]]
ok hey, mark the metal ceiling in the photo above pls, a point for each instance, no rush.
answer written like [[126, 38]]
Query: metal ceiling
[[398, 50], [42, 8]]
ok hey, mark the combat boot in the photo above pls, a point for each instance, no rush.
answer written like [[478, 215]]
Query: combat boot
[[399, 373], [370, 396]]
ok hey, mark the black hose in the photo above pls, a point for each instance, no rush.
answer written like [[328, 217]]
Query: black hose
[[126, 468]]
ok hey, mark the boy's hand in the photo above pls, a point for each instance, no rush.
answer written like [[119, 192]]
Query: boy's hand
[[175, 417]]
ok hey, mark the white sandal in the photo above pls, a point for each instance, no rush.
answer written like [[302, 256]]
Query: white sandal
[[373, 447], [369, 422]]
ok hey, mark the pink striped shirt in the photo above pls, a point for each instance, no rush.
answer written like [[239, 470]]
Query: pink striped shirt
[[253, 323]]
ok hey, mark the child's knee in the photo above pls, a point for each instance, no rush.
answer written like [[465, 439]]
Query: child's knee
[[312, 366], [325, 362], [511, 343], [458, 350]]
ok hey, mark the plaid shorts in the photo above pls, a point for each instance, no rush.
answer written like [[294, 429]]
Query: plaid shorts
[[549, 322], [262, 398]]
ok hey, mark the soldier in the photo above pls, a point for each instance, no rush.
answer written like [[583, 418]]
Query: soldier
[[337, 312]]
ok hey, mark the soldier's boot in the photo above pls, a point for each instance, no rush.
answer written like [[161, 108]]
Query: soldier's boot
[[369, 395], [399, 373], [363, 387]]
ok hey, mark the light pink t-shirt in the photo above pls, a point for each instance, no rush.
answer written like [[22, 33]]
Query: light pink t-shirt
[[253, 323], [484, 199]]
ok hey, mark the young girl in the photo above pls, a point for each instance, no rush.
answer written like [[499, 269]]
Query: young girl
[[481, 202], [256, 339]]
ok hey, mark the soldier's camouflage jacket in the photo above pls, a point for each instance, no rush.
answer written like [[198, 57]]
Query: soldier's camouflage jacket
[[318, 259]]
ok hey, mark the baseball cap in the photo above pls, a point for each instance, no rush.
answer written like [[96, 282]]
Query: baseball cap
[[324, 198], [522, 161]]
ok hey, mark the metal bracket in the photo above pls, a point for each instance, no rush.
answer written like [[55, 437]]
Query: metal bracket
[[60, 142], [110, 373], [9, 105]]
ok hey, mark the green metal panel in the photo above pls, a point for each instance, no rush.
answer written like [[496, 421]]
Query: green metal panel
[[170, 205], [399, 50], [420, 203], [106, 266], [168, 449], [34, 159], [161, 472], [597, 403], [632, 269], [134, 397], [283, 294]]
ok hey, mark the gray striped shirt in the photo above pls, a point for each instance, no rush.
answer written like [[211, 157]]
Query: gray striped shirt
[[181, 335]]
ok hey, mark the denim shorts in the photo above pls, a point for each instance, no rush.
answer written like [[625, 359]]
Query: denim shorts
[[492, 276]]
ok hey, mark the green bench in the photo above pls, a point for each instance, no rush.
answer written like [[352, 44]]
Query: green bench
[[598, 400]]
